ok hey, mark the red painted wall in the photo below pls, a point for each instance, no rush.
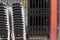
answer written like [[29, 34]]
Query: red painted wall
[[53, 34]]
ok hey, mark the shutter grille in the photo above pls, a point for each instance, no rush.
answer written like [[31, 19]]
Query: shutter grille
[[17, 21]]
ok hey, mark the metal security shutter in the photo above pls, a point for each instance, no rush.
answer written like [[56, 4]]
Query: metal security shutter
[[38, 19], [17, 21], [3, 23]]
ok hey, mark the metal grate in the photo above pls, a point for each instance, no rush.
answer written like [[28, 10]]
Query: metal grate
[[17, 21], [38, 18], [3, 23], [39, 3]]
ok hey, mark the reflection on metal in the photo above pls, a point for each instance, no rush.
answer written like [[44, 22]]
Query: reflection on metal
[[7, 9]]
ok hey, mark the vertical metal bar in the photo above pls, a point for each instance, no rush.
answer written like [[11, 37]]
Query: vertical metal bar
[[59, 20], [35, 4], [46, 2], [38, 4], [24, 24], [38, 21], [29, 4], [12, 35], [32, 4], [8, 26], [32, 20], [46, 20], [41, 4], [53, 33]]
